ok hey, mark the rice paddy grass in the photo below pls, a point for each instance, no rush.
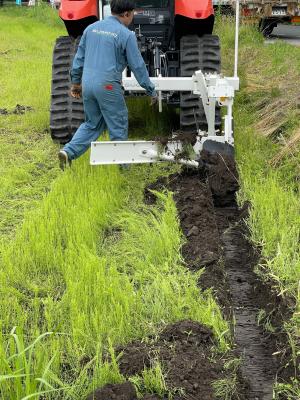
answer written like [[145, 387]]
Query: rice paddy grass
[[85, 265]]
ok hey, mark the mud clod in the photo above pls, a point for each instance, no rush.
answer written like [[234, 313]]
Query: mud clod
[[222, 178], [122, 391], [185, 350], [18, 110]]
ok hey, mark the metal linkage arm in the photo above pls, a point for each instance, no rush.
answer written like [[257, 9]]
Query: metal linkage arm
[[211, 88]]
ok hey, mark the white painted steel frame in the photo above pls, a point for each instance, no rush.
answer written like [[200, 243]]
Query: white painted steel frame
[[136, 152], [143, 152], [181, 84]]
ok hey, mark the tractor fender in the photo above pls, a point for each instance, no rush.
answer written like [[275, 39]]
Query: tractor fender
[[195, 9], [77, 9]]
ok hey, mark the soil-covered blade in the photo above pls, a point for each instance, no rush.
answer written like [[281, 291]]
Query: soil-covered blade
[[217, 147]]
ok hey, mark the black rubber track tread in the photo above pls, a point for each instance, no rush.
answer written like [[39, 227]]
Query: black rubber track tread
[[66, 113], [197, 53]]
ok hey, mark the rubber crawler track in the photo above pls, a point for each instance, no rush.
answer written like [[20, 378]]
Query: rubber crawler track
[[66, 113], [197, 53]]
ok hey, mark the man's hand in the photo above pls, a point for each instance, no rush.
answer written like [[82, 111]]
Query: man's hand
[[154, 100], [76, 90]]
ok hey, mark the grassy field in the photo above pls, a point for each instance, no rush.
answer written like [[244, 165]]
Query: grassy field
[[85, 264], [27, 162], [82, 258]]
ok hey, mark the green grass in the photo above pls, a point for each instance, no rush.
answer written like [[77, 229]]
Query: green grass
[[96, 267], [26, 45], [27, 162], [85, 264], [152, 381], [90, 265], [268, 73]]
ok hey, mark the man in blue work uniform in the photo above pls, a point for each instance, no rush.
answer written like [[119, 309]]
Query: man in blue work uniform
[[105, 50]]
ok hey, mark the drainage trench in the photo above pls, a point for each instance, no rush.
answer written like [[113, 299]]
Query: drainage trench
[[246, 298]]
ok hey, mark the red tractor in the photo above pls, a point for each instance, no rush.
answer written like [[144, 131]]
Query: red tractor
[[175, 39]]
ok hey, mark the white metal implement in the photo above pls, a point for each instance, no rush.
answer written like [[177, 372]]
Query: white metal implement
[[210, 88], [142, 152], [135, 152], [178, 84]]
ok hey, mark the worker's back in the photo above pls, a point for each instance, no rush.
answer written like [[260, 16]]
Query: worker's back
[[105, 50]]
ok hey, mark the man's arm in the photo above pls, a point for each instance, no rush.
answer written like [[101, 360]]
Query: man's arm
[[137, 65], [77, 67]]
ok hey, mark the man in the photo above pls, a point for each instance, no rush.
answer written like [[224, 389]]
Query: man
[[105, 49]]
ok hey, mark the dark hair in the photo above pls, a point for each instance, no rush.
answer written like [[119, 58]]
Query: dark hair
[[121, 6]]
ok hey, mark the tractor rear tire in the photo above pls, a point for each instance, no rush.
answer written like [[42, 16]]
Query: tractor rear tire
[[66, 113], [266, 26], [197, 53]]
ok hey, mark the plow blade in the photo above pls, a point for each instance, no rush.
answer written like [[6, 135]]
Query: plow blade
[[218, 147]]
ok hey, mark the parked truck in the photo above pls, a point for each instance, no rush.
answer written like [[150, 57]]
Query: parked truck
[[269, 13]]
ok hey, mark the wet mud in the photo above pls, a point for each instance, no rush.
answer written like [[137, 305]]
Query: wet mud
[[217, 241]]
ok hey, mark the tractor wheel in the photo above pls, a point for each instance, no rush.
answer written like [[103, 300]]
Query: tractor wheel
[[197, 53], [266, 26], [66, 113]]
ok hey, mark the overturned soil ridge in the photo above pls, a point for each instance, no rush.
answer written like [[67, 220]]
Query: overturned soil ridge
[[212, 224], [216, 240], [185, 350], [121, 391]]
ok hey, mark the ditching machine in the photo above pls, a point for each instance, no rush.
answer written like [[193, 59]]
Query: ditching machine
[[183, 59]]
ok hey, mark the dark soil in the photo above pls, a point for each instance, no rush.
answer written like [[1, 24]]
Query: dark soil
[[18, 110], [183, 137], [122, 391], [184, 348], [216, 240], [3, 111], [216, 234]]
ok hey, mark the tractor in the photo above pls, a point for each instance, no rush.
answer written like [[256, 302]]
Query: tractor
[[183, 59], [175, 39]]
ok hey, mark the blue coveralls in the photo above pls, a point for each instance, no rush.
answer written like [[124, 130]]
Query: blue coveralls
[[105, 49]]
